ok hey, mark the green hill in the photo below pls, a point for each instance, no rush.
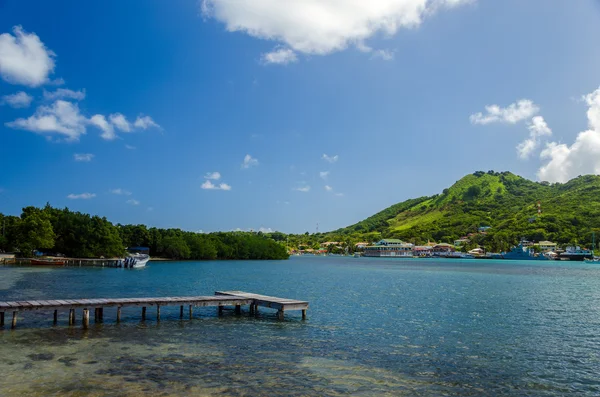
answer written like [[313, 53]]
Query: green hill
[[504, 201]]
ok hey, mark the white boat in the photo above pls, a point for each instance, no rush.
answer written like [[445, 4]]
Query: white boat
[[137, 257], [138, 260]]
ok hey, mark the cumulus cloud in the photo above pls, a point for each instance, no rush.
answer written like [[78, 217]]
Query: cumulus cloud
[[85, 157], [537, 128], [120, 192], [513, 113], [249, 161], [328, 188], [303, 188], [18, 100], [108, 131], [61, 118], [119, 121], [129, 147], [279, 56], [213, 175], [324, 174], [565, 162], [145, 122], [64, 93], [133, 202], [82, 196], [208, 185], [321, 26], [330, 159], [24, 59]]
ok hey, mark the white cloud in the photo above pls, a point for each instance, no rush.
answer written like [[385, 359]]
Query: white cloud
[[249, 161], [133, 202], [303, 189], [583, 156], [328, 188], [82, 196], [145, 122], [537, 128], [18, 100], [331, 159], [108, 131], [85, 157], [24, 59], [279, 56], [213, 175], [340, 194], [321, 26], [120, 192], [208, 185], [61, 118], [324, 174], [119, 121], [64, 93], [386, 55], [513, 113], [150, 209], [130, 147], [265, 230]]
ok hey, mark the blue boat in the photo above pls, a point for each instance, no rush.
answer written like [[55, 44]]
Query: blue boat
[[522, 253]]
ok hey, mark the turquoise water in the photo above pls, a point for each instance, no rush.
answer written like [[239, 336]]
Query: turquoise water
[[376, 326]]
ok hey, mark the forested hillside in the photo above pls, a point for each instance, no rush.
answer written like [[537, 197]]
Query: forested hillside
[[83, 236], [504, 201]]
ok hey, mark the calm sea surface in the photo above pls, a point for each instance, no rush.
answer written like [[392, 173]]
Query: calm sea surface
[[386, 327]]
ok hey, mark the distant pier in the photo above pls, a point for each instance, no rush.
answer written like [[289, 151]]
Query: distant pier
[[71, 262], [221, 299]]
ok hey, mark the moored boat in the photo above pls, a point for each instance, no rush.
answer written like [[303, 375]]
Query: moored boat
[[576, 254], [520, 252]]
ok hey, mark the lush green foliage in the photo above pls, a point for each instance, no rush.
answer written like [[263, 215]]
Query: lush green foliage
[[504, 201], [83, 236]]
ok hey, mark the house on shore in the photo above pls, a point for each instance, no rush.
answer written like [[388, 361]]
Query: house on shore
[[389, 248]]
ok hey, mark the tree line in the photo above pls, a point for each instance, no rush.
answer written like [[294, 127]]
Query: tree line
[[79, 235]]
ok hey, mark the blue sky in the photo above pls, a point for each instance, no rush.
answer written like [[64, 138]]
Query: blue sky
[[123, 109]]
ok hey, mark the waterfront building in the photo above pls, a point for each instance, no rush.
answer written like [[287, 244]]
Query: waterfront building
[[389, 248], [423, 250], [546, 246], [443, 248]]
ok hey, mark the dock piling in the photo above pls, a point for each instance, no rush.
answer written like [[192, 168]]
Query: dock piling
[[238, 309], [181, 311], [157, 312], [86, 318], [1, 319], [119, 314], [55, 317], [191, 312], [14, 320], [303, 314], [280, 314], [71, 316], [144, 313]]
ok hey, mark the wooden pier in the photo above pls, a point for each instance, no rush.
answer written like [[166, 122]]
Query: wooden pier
[[237, 299], [71, 262]]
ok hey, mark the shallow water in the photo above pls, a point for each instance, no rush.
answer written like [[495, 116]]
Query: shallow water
[[376, 326]]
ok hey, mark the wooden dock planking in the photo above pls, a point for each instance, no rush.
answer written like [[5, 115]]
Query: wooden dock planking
[[281, 304], [220, 299]]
